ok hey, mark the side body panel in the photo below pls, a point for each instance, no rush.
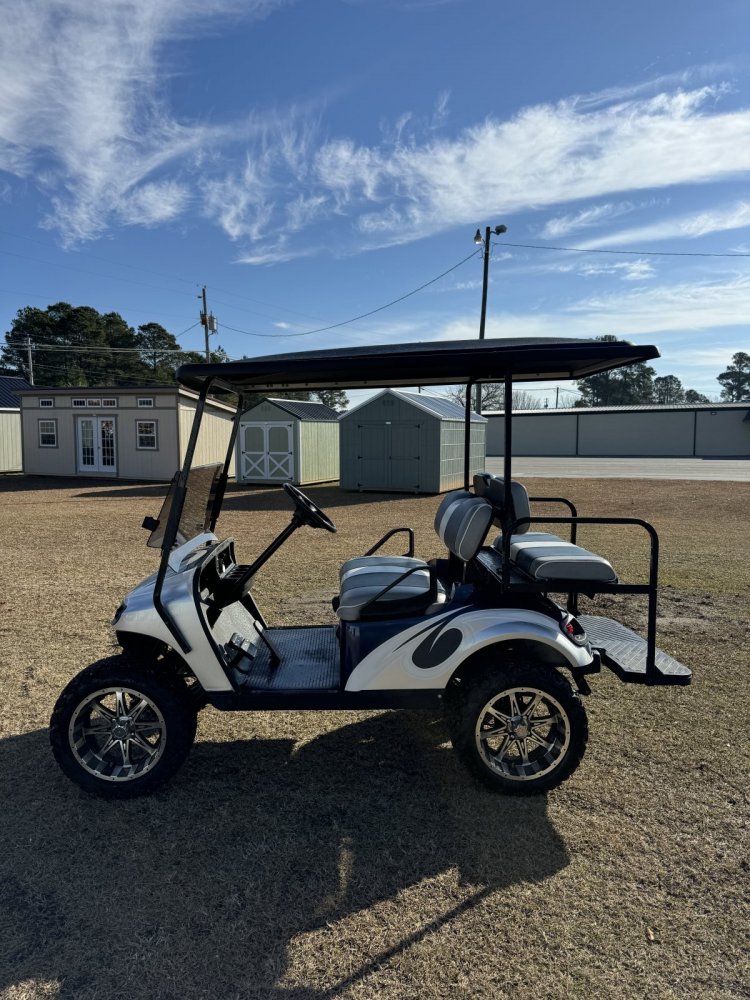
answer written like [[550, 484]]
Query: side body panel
[[426, 655]]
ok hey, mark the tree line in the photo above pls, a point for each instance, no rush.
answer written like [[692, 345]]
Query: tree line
[[78, 346], [640, 385]]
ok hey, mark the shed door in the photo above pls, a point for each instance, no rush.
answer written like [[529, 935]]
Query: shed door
[[266, 451], [97, 444], [389, 455], [404, 456], [372, 454]]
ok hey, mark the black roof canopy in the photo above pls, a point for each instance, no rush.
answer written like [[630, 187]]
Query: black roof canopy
[[433, 363]]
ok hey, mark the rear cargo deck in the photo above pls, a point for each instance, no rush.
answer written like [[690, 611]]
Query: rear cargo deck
[[624, 652]]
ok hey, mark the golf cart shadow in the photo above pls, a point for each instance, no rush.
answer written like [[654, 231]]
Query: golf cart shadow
[[239, 877]]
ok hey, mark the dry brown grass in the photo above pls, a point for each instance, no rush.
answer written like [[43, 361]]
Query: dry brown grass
[[307, 855]]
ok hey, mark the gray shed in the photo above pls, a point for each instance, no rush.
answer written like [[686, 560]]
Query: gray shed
[[288, 440], [408, 442]]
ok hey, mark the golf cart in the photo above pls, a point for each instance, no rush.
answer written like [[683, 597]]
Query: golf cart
[[474, 634]]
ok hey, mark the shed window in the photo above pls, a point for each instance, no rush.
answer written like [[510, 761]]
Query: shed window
[[145, 401], [146, 435], [47, 433], [109, 402], [46, 402], [93, 402], [79, 402]]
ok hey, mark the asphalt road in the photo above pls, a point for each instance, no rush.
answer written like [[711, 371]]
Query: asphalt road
[[728, 469]]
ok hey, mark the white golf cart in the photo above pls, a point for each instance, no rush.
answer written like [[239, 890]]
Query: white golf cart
[[475, 633]]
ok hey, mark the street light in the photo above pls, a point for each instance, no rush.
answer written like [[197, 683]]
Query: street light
[[485, 242]]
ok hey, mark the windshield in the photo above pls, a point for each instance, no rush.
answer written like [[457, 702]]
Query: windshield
[[196, 512]]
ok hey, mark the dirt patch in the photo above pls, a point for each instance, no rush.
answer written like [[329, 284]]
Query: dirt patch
[[321, 855]]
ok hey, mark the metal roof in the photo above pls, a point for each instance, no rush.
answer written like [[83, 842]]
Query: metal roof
[[636, 408], [305, 410], [9, 386], [435, 363], [444, 408]]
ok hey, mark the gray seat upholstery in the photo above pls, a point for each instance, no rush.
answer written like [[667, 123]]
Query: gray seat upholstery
[[542, 556], [413, 594], [373, 562], [550, 558], [461, 522]]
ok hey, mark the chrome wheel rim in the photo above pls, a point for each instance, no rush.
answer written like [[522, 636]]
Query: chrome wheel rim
[[117, 734], [522, 733]]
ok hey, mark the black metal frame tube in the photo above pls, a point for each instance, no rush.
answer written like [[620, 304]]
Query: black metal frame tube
[[467, 435], [222, 484], [508, 432], [653, 571], [175, 513]]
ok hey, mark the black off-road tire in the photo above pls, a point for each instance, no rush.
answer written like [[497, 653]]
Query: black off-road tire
[[567, 736], [170, 705]]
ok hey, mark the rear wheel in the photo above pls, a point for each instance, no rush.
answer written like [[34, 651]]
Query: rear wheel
[[520, 729], [121, 730]]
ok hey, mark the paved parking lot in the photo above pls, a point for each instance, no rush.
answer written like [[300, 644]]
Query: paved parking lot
[[729, 469]]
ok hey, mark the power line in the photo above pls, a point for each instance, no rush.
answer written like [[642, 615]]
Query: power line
[[354, 319], [630, 253]]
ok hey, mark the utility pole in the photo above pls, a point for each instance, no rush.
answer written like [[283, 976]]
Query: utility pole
[[209, 325], [19, 345], [557, 397], [498, 230]]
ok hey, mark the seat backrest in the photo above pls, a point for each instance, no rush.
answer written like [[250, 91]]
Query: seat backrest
[[493, 489], [462, 521]]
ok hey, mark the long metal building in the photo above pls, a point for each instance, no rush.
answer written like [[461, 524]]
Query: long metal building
[[705, 430]]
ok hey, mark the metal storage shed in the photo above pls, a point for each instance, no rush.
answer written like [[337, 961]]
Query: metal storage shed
[[408, 442], [11, 458], [288, 440]]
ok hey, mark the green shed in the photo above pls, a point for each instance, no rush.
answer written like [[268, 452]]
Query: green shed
[[288, 440], [408, 442]]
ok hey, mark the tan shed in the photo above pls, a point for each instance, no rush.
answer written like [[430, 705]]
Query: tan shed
[[118, 432], [288, 440]]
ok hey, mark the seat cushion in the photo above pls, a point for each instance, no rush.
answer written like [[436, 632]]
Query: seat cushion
[[529, 536], [379, 562], [553, 559], [360, 584]]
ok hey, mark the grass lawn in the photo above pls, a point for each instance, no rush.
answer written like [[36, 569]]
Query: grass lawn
[[321, 855]]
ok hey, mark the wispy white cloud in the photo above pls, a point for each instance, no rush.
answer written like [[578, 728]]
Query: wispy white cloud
[[81, 108], [688, 227], [83, 112], [398, 190], [640, 269], [637, 313], [550, 154], [585, 218]]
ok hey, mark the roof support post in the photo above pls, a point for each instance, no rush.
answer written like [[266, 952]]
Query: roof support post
[[507, 428], [222, 484], [467, 436], [175, 513]]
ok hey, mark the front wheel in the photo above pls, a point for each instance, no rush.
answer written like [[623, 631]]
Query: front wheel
[[121, 730], [520, 729]]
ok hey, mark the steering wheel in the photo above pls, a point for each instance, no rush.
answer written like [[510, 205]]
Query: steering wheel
[[309, 512]]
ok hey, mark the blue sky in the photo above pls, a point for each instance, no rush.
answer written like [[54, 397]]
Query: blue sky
[[311, 161]]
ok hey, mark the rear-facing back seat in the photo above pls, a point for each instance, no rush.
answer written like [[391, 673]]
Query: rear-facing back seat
[[542, 556], [462, 522]]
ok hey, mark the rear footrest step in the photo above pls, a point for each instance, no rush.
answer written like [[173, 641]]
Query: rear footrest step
[[624, 652]]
